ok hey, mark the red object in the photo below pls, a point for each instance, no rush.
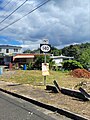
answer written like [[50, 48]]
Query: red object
[[81, 73]]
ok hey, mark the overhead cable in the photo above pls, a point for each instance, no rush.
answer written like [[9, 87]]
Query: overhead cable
[[25, 15], [13, 11]]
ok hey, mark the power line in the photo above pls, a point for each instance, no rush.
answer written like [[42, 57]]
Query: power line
[[6, 4], [13, 11], [25, 15]]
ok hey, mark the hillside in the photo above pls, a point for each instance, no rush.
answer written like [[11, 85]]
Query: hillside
[[81, 53]]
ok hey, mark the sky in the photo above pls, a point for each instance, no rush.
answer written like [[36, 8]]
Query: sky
[[61, 22]]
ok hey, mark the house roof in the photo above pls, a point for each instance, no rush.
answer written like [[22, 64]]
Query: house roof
[[23, 56], [61, 56], [9, 46]]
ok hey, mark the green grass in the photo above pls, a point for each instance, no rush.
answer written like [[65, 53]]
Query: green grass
[[34, 77]]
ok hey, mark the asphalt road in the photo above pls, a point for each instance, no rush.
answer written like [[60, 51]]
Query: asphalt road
[[12, 108]]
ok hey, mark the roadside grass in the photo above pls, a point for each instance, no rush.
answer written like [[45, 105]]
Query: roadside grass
[[34, 77], [35, 88]]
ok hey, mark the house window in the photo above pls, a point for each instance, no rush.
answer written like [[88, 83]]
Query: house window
[[7, 50], [15, 50]]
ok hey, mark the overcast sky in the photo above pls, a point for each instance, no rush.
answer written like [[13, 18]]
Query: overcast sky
[[62, 22]]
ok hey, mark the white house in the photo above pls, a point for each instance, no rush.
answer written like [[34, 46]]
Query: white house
[[7, 52], [59, 59]]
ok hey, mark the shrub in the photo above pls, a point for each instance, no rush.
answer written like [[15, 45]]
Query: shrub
[[71, 65]]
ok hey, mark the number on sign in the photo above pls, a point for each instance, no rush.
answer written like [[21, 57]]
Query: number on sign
[[45, 47]]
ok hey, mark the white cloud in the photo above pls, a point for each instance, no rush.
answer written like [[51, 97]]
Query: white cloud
[[63, 22]]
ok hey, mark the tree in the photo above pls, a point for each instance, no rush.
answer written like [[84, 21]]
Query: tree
[[27, 51], [72, 50], [32, 51], [41, 59], [84, 58], [55, 51], [38, 62], [80, 52]]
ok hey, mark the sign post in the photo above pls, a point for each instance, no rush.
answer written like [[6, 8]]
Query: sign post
[[45, 48]]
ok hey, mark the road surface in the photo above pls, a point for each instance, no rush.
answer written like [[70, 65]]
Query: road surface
[[12, 108]]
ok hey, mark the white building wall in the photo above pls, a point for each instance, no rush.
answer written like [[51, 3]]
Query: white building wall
[[2, 51], [11, 51], [57, 61]]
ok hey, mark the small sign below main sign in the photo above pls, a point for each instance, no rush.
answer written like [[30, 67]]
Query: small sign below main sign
[[45, 48], [45, 69]]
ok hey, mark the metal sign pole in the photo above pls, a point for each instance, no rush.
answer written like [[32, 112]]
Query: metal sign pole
[[45, 76], [45, 48]]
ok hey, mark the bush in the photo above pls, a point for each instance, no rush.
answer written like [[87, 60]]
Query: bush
[[71, 65], [30, 66]]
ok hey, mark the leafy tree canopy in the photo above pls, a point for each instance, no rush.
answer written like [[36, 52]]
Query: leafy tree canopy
[[80, 52], [71, 65]]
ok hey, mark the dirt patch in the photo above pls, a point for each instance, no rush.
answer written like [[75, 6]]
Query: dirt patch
[[80, 73], [56, 99], [25, 83]]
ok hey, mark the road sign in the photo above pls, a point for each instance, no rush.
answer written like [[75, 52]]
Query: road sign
[[45, 48], [45, 41], [45, 69]]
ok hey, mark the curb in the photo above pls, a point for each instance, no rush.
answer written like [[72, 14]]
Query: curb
[[49, 107]]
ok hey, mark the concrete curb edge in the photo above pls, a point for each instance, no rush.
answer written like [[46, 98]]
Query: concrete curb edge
[[46, 106]]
